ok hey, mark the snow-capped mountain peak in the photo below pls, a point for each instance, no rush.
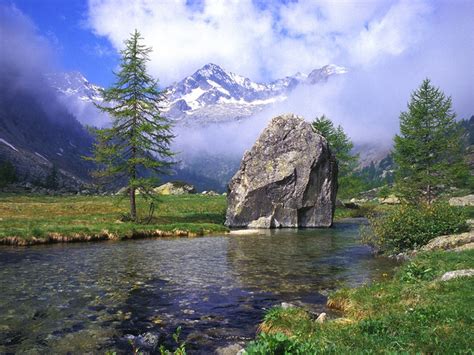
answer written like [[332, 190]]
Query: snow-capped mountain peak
[[211, 94], [76, 85]]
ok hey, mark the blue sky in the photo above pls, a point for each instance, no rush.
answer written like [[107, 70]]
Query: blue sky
[[64, 24]]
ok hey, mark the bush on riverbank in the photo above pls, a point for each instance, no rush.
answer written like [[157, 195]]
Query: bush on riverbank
[[413, 312], [408, 227]]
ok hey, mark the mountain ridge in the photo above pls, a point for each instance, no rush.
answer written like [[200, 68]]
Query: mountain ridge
[[209, 95]]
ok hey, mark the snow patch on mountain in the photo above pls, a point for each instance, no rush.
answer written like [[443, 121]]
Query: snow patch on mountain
[[210, 95], [76, 85], [8, 144]]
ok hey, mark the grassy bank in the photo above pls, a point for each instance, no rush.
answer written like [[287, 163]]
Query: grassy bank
[[36, 219], [30, 219], [414, 312]]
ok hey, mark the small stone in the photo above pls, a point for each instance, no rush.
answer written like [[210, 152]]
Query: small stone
[[390, 200], [457, 273], [462, 201], [321, 318], [233, 349], [144, 342], [286, 305]]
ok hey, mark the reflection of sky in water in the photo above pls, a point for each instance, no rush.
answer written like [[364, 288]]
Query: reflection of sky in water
[[85, 297]]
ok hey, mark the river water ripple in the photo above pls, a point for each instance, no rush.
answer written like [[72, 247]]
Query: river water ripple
[[86, 297]]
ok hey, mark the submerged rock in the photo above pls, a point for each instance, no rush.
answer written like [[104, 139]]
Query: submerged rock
[[146, 343], [287, 179], [233, 349]]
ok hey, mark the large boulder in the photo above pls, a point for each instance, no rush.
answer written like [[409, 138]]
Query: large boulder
[[287, 179]]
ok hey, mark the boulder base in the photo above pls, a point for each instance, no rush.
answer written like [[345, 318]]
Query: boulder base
[[287, 179]]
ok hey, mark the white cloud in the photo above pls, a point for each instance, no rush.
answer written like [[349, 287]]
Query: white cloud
[[260, 42], [402, 27]]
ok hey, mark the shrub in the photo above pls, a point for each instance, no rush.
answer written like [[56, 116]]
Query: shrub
[[7, 173], [279, 343], [412, 226]]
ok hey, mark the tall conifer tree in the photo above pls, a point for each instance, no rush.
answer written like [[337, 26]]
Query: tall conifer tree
[[136, 147], [428, 150]]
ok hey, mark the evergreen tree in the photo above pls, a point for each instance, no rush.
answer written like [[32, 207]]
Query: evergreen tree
[[428, 150], [136, 147], [52, 180], [341, 145], [7, 173]]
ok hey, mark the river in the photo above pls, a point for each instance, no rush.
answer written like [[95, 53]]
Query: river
[[87, 297]]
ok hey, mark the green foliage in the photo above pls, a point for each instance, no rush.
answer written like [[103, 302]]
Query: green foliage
[[30, 215], [414, 272], [7, 173], [376, 175], [341, 146], [412, 313], [37, 232], [365, 210], [384, 192], [280, 344], [339, 143], [468, 126], [52, 180], [180, 345], [136, 147], [407, 227], [428, 152]]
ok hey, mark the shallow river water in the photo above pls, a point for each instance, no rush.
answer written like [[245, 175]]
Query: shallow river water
[[87, 297]]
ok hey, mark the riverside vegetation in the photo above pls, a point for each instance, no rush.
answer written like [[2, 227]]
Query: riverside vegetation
[[32, 219], [36, 219], [415, 311]]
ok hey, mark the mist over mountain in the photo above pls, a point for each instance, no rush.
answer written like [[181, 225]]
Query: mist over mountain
[[36, 130], [208, 108]]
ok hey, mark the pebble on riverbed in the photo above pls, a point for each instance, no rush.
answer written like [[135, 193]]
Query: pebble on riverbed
[[146, 342], [233, 349]]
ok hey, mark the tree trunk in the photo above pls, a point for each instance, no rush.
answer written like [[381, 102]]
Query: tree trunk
[[133, 205]]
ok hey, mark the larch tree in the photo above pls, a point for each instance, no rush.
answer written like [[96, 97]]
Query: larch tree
[[428, 150], [341, 146], [136, 147]]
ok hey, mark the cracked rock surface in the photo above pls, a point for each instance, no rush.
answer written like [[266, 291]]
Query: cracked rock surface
[[287, 179]]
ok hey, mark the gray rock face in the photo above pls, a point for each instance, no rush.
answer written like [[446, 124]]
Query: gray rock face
[[287, 179]]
